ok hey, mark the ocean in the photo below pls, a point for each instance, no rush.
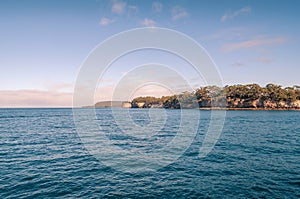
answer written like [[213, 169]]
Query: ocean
[[43, 156]]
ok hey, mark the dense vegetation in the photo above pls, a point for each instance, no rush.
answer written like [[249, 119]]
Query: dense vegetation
[[235, 96]]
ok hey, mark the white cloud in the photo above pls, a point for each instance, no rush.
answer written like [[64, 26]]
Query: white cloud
[[148, 22], [179, 13], [105, 21], [230, 15], [157, 6], [118, 7]]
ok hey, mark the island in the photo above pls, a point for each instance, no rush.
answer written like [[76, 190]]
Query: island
[[233, 97]]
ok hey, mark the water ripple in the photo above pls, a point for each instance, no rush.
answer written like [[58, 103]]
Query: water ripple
[[257, 156]]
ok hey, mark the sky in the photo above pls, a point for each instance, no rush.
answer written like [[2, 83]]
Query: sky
[[43, 44]]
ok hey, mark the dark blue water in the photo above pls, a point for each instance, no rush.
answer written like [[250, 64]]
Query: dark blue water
[[257, 155]]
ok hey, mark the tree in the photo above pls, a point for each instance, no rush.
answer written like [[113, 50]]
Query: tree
[[172, 103], [243, 96], [275, 92]]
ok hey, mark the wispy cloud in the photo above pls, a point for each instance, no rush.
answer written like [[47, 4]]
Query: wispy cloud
[[157, 7], [35, 98], [118, 7], [253, 43], [179, 13], [148, 22], [132, 9], [105, 21], [230, 15]]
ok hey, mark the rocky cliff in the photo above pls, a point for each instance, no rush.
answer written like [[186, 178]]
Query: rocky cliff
[[250, 96]]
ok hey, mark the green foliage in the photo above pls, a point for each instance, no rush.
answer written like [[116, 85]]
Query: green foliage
[[148, 101], [250, 95], [172, 102]]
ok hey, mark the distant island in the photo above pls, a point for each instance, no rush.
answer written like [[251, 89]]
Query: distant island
[[110, 104], [235, 97]]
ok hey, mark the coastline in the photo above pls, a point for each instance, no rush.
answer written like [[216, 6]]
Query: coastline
[[206, 108], [251, 109]]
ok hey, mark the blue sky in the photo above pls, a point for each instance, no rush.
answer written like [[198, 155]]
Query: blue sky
[[43, 43]]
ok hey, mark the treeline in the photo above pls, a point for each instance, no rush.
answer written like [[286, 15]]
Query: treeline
[[236, 96]]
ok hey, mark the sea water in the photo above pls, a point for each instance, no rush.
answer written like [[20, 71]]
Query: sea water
[[43, 156]]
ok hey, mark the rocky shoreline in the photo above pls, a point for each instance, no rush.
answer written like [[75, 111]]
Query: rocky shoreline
[[235, 97], [252, 109]]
